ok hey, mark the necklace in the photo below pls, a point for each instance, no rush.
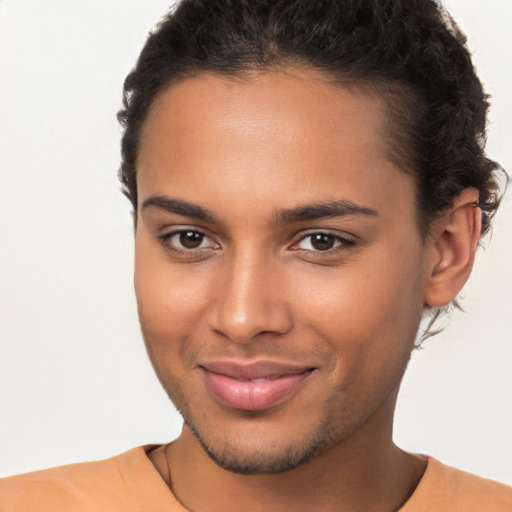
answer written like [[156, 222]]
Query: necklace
[[169, 479]]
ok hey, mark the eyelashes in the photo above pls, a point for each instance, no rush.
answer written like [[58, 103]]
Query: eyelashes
[[188, 245], [321, 241], [189, 240], [192, 244]]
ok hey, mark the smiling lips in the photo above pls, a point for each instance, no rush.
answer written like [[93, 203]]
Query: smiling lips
[[254, 386]]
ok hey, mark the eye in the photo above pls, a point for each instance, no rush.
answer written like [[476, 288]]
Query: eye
[[322, 242], [187, 240]]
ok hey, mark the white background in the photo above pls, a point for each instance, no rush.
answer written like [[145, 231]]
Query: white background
[[75, 383]]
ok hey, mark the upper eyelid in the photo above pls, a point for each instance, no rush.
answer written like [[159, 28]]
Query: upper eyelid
[[345, 243], [166, 234], [298, 237], [165, 240], [169, 231], [341, 236]]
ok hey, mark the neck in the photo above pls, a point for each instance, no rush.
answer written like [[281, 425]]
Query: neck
[[365, 472]]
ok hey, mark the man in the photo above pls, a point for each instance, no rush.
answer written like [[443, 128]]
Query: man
[[308, 182]]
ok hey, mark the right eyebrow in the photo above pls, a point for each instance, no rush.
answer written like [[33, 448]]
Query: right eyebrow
[[179, 207]]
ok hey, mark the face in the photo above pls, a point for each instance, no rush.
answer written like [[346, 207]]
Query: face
[[278, 266]]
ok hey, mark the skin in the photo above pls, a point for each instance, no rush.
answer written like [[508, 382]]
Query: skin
[[257, 288]]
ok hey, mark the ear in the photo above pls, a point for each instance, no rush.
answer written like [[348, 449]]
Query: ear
[[452, 246]]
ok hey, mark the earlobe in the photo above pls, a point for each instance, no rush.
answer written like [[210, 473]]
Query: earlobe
[[453, 244]]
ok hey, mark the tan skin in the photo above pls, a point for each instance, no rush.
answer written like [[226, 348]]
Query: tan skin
[[342, 294]]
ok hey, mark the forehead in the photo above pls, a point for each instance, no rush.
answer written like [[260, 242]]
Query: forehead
[[297, 103], [286, 135]]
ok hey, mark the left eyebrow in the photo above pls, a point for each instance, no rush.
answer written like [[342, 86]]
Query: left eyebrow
[[317, 211]]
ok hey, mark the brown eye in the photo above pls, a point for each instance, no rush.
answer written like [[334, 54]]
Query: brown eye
[[187, 244], [323, 241], [191, 239]]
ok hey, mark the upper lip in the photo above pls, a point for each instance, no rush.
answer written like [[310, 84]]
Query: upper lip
[[262, 369]]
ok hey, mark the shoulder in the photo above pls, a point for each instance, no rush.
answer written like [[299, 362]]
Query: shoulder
[[447, 489], [111, 484], [473, 491]]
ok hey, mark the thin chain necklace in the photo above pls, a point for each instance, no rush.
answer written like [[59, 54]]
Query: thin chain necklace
[[169, 480]]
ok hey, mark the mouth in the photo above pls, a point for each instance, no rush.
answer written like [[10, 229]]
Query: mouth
[[253, 386]]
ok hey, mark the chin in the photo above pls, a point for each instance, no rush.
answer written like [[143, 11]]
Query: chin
[[265, 457]]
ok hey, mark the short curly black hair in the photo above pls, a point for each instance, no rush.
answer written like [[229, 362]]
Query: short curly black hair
[[410, 52]]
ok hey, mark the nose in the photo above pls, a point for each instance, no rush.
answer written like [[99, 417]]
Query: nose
[[250, 301]]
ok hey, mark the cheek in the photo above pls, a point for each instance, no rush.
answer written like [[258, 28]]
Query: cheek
[[366, 307], [169, 302]]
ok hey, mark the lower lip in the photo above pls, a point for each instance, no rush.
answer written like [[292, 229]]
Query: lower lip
[[250, 395]]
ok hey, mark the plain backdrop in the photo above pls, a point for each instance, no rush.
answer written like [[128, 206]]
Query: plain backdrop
[[75, 382]]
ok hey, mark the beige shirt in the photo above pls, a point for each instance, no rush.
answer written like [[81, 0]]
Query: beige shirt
[[130, 483]]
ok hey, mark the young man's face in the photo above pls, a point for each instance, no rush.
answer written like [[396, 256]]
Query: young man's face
[[279, 269]]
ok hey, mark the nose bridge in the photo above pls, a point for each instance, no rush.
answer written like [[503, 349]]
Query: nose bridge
[[249, 299]]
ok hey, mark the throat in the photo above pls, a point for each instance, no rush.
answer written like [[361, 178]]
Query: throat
[[323, 484]]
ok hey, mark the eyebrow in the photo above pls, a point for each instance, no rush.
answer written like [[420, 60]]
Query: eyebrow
[[316, 211], [179, 207], [307, 212]]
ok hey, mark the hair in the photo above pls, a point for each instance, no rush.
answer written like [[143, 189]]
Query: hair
[[409, 52]]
